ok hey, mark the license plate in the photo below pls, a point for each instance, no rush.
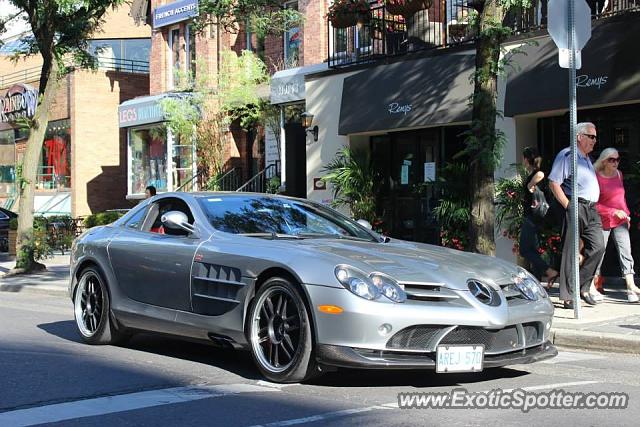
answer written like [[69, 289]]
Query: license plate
[[459, 358]]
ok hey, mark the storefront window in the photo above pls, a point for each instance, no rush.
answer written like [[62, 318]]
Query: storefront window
[[174, 61], [127, 49], [55, 161], [148, 159], [192, 51], [7, 162], [183, 165], [292, 41]]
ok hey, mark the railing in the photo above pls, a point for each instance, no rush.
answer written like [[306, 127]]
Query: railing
[[229, 181], [48, 179], [258, 183], [104, 63], [445, 23]]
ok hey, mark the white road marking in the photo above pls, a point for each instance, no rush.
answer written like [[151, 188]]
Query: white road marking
[[274, 385], [322, 417], [394, 405], [550, 386], [124, 402]]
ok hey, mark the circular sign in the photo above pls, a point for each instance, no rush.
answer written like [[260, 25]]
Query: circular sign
[[20, 101]]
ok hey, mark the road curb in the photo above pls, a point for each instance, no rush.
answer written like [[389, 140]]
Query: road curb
[[600, 341], [40, 289]]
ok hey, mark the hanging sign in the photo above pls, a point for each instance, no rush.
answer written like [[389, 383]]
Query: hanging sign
[[20, 101]]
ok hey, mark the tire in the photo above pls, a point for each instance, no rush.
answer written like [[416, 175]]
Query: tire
[[92, 308], [280, 333]]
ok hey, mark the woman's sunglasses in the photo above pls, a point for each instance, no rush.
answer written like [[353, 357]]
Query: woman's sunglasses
[[613, 160]]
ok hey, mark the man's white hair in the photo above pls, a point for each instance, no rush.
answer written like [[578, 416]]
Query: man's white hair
[[583, 127]]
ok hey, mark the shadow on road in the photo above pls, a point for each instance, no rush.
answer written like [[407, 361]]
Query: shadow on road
[[241, 363]]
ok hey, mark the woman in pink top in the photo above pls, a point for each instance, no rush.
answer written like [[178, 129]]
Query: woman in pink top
[[614, 213]]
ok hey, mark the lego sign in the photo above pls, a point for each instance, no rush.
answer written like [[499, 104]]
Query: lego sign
[[19, 102], [174, 12]]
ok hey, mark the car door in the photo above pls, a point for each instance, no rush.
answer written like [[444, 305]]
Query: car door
[[154, 267]]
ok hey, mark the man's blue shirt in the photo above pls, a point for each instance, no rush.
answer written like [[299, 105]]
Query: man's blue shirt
[[588, 187]]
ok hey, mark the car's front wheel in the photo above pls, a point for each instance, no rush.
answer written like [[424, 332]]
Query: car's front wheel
[[91, 310], [280, 333]]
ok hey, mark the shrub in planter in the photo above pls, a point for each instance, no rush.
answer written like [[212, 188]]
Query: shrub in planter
[[101, 218], [347, 13], [406, 8]]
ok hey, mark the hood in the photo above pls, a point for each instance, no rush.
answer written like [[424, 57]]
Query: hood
[[415, 262]]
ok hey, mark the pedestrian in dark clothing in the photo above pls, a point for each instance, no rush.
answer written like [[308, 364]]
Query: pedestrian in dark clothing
[[150, 191], [533, 217], [589, 223]]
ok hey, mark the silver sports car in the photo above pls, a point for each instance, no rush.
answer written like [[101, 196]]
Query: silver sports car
[[302, 287]]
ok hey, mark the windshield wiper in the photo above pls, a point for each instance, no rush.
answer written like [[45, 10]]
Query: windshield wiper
[[272, 235], [333, 236]]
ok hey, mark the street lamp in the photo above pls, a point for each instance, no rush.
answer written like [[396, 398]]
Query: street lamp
[[307, 121]]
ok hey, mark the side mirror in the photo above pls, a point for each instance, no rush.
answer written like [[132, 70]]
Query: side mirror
[[177, 220], [366, 224]]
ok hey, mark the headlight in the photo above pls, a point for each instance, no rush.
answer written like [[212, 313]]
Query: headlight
[[529, 285], [389, 287], [357, 282], [369, 287]]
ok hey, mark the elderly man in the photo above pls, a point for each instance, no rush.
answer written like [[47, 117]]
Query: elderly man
[[589, 223]]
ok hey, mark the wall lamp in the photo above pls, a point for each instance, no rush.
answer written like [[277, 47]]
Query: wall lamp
[[307, 120]]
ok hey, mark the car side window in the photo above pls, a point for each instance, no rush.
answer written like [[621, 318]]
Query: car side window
[[136, 220], [153, 222]]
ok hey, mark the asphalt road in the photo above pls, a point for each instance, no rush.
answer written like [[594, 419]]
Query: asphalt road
[[48, 376]]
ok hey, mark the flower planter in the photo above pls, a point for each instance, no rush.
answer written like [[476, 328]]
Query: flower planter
[[344, 20], [406, 8], [348, 13]]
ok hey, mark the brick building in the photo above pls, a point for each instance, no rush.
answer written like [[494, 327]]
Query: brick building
[[83, 165]]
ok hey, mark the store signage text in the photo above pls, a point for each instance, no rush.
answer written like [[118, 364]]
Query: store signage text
[[139, 114], [174, 12], [287, 89], [396, 108], [19, 102], [586, 81]]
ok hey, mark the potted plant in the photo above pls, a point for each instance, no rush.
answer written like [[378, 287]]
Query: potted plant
[[347, 13], [406, 8]]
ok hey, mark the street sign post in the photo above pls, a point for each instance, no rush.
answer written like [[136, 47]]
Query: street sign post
[[569, 25]]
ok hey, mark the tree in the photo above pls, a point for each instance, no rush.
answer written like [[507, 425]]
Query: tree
[[262, 16], [483, 143], [205, 109], [60, 30]]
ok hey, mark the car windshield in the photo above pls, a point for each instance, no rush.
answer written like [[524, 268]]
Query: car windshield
[[278, 217]]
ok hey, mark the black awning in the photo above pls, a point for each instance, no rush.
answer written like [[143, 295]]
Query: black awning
[[415, 93], [610, 71]]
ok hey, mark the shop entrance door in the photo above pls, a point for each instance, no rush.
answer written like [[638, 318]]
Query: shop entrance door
[[408, 162]]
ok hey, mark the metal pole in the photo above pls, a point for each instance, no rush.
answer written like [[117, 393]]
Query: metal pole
[[283, 151], [575, 276]]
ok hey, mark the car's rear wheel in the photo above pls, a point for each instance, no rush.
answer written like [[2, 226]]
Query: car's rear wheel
[[92, 310], [280, 333]]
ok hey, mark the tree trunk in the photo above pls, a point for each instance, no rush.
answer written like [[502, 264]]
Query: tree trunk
[[27, 180], [482, 142]]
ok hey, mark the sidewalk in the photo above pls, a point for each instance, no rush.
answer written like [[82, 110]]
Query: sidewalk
[[613, 325], [55, 280]]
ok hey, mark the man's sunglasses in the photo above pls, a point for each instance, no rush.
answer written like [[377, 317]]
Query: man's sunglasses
[[591, 137]]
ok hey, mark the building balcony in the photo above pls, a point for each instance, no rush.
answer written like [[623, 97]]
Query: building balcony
[[446, 23]]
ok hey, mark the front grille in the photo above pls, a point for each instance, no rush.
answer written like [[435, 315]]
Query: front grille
[[494, 340], [533, 333], [425, 291], [414, 337]]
